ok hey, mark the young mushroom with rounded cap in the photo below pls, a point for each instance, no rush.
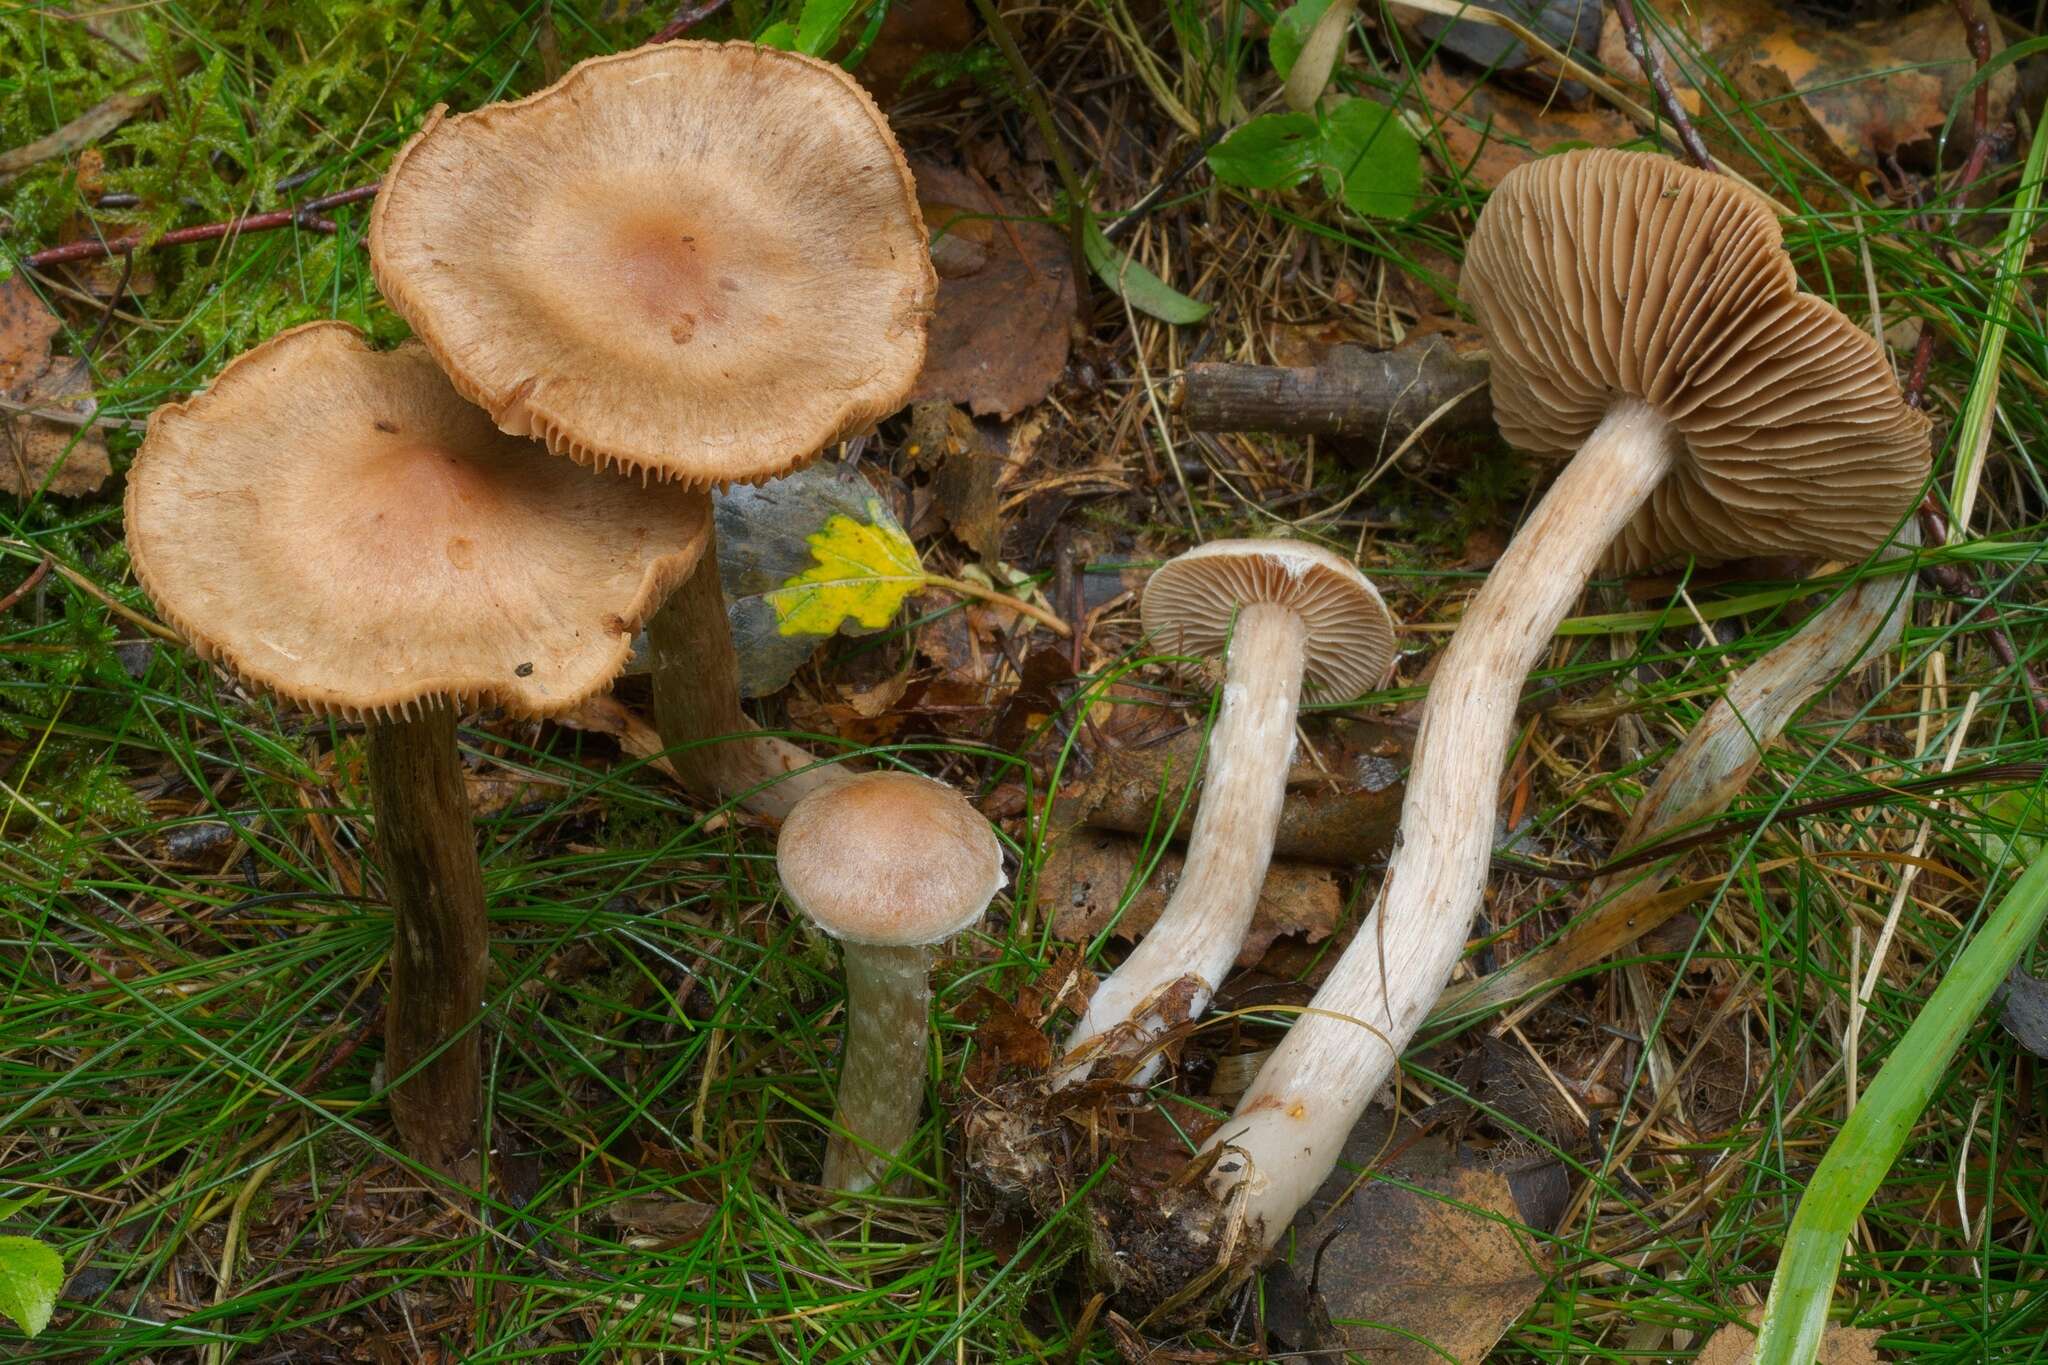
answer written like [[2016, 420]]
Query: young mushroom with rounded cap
[[1286, 616], [697, 262], [336, 527], [888, 863], [1645, 315]]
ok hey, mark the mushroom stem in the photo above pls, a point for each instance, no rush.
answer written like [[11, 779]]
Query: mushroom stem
[[440, 943], [881, 1073], [1290, 1127], [1203, 925], [714, 747]]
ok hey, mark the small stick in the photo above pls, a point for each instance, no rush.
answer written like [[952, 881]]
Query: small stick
[[27, 585], [1639, 46], [308, 215], [687, 18]]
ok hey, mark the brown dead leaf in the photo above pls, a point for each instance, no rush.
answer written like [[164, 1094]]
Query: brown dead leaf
[[998, 341], [64, 457], [913, 31], [681, 1218], [1406, 1276], [1871, 89], [26, 330], [1490, 130], [1735, 1344], [607, 715], [1085, 877], [1004, 1036]]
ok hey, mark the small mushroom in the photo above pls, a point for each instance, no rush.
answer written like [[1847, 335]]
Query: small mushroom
[[336, 527], [698, 262], [1288, 617], [888, 863], [1646, 316]]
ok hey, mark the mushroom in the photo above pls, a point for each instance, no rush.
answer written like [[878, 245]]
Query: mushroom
[[696, 262], [1287, 617], [888, 863], [337, 528], [1646, 315]]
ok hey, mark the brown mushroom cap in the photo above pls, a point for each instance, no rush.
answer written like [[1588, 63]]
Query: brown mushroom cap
[[889, 859], [1602, 275], [336, 526], [701, 260], [1191, 602]]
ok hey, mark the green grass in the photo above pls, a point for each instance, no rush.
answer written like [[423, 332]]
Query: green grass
[[192, 944]]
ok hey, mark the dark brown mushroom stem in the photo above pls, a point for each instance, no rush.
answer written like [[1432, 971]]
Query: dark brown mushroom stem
[[881, 1080], [441, 944], [716, 750]]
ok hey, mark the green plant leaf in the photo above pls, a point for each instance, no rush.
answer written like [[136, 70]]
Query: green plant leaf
[[863, 572], [16, 1203], [1290, 31], [1142, 289], [818, 26], [1273, 151], [780, 34], [31, 1277], [1373, 158]]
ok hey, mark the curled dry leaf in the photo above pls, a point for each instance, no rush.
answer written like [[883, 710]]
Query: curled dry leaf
[[998, 341], [67, 456], [1085, 878]]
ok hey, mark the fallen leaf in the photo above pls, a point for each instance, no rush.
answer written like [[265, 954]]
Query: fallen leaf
[[605, 714], [801, 558], [1089, 870], [67, 458], [1489, 130], [1872, 89], [1568, 25], [967, 463], [26, 330], [1409, 1276], [665, 1217], [913, 32], [2025, 1010], [1735, 1344], [1005, 1035], [998, 341]]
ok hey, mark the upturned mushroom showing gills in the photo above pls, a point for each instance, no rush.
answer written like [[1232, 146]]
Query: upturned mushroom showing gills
[[697, 262], [1646, 316], [1286, 616], [888, 863], [336, 527]]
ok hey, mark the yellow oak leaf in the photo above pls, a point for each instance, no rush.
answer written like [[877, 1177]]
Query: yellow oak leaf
[[863, 571]]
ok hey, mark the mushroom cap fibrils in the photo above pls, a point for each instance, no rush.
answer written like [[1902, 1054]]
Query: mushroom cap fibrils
[[1602, 275], [337, 527], [699, 260], [1191, 601], [889, 859]]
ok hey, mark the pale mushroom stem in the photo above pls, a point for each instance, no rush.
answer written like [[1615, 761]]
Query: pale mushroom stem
[[1289, 1128], [440, 945], [1198, 935], [714, 746], [881, 1072]]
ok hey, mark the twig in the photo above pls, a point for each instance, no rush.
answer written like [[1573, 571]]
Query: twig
[[1639, 46], [687, 18], [1978, 35], [308, 215], [27, 585]]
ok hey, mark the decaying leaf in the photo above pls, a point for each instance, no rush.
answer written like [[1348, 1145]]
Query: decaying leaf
[[605, 714], [1087, 873], [1409, 1276], [2025, 1010], [803, 557], [1735, 1344], [26, 330], [678, 1218], [1489, 130], [1005, 1035], [967, 462], [912, 33], [67, 456], [1874, 89], [998, 341], [1568, 25]]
